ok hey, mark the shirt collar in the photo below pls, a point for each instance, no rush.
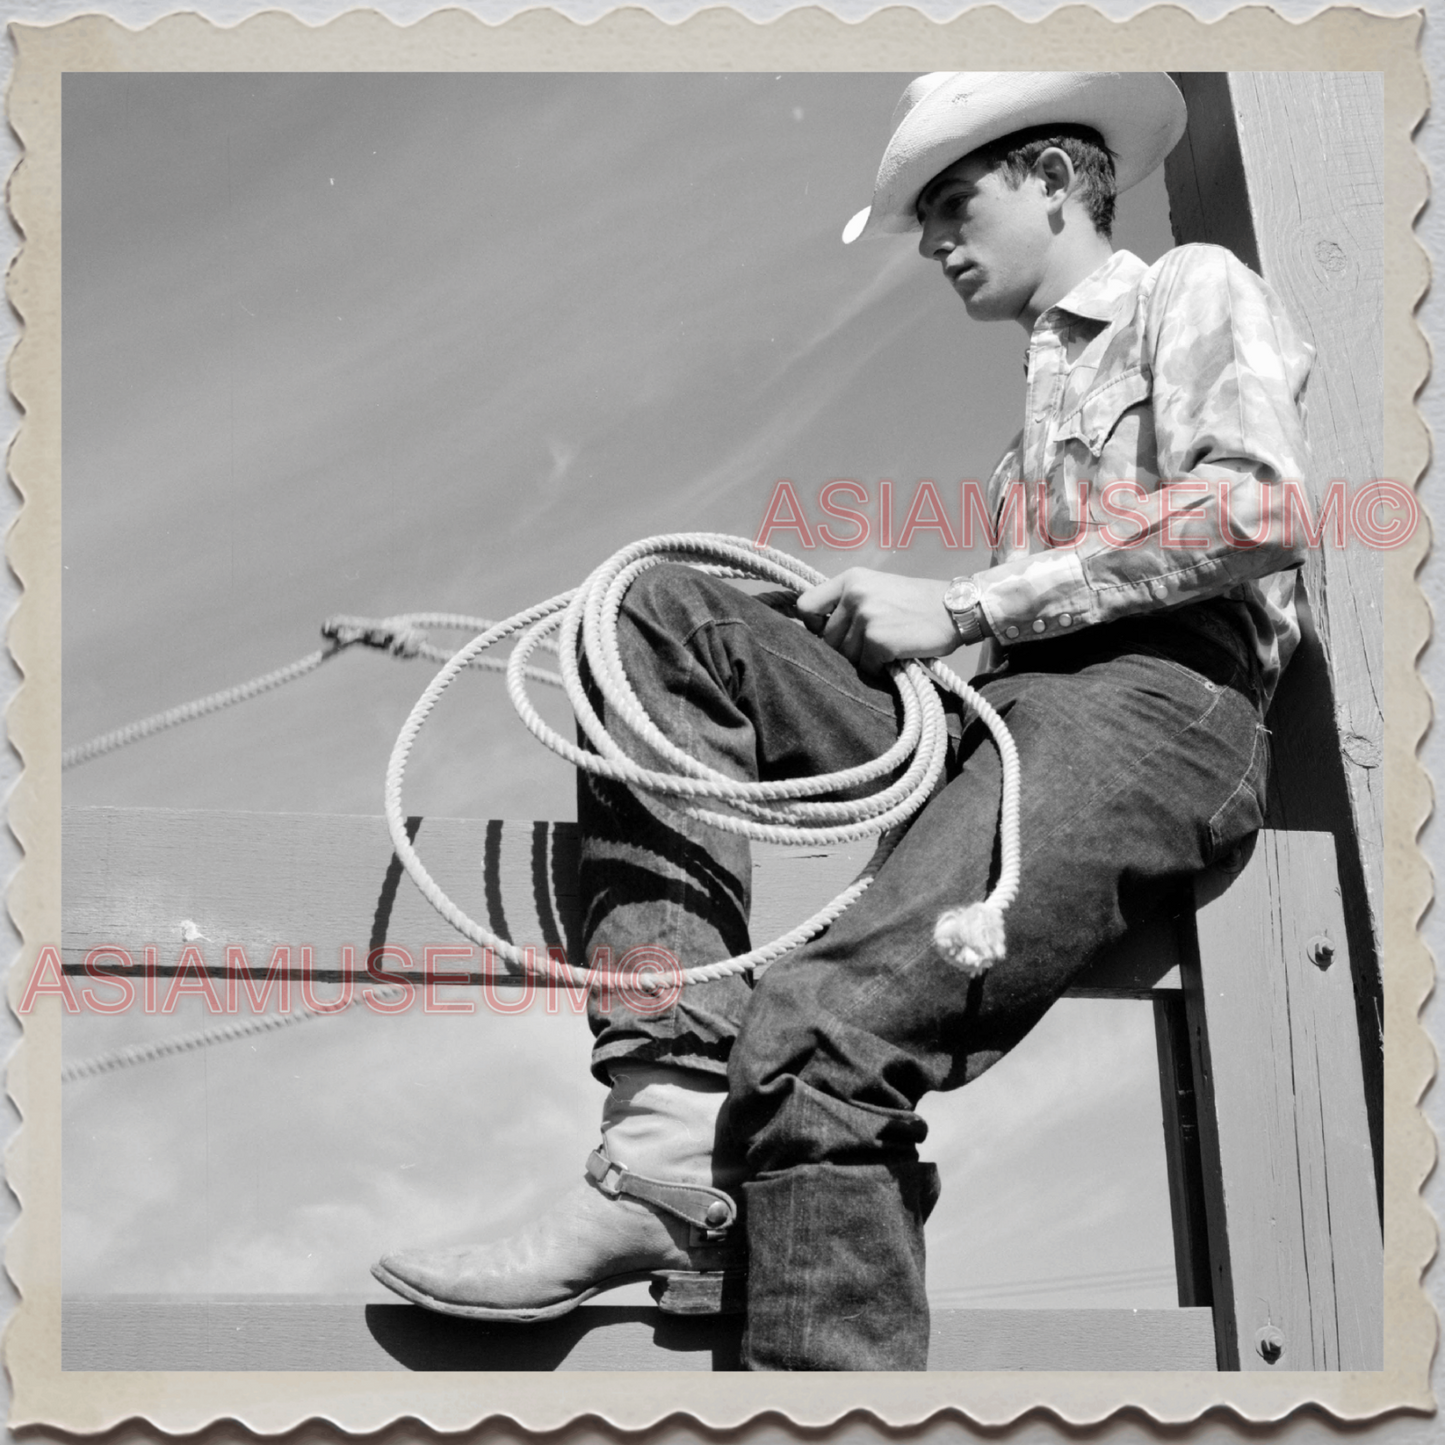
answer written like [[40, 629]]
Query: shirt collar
[[1097, 296]]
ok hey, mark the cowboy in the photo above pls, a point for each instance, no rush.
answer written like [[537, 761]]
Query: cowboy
[[1138, 614]]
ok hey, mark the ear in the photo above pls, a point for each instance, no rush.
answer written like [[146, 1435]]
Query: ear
[[1055, 171]]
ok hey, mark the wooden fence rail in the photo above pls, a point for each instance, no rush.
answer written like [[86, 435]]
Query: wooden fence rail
[[1278, 1246]]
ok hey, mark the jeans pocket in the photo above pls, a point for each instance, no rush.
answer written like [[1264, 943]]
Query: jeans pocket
[[1242, 812]]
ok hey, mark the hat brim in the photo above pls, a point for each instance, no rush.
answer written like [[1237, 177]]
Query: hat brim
[[1141, 116]]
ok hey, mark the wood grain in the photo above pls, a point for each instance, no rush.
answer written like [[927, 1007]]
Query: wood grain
[[1179, 1109], [300, 1333], [1285, 169], [133, 877], [1294, 1233], [1291, 1229], [1313, 149], [1204, 174]]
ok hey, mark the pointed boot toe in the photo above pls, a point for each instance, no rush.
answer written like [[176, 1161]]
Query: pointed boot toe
[[645, 1206], [588, 1243]]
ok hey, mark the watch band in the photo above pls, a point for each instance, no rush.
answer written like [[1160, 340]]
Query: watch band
[[965, 608]]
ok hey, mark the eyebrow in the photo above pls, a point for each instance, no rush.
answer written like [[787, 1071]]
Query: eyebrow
[[935, 188]]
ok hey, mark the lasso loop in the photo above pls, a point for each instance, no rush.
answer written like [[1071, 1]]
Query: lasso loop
[[585, 620], [970, 936]]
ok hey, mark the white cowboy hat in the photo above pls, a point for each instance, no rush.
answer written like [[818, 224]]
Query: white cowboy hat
[[944, 116]]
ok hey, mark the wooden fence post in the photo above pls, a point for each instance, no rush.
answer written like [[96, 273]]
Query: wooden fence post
[[1285, 170], [1295, 1250]]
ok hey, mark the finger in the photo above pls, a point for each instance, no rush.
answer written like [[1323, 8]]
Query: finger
[[835, 628], [855, 640], [819, 601], [876, 656]]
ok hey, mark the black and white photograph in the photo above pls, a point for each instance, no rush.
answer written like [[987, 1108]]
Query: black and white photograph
[[914, 900]]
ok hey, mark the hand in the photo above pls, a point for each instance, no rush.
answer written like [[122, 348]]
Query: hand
[[872, 618]]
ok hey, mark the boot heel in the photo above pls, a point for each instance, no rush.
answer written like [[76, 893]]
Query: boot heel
[[700, 1292]]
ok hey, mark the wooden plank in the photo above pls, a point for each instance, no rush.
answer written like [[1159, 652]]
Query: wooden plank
[[1316, 144], [133, 877], [1182, 1162], [301, 1333], [1285, 170], [137, 876], [1143, 964], [1204, 174], [1072, 1340], [1313, 148], [1295, 1237]]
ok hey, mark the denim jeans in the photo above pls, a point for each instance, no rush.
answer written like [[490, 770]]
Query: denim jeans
[[744, 687], [1143, 760]]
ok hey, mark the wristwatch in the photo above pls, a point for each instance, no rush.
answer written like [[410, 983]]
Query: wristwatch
[[962, 601]]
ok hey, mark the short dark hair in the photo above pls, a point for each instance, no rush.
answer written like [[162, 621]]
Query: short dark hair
[[1092, 160]]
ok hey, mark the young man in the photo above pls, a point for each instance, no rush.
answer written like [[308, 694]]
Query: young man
[[1136, 635]]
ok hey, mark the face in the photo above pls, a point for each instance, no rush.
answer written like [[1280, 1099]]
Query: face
[[990, 237]]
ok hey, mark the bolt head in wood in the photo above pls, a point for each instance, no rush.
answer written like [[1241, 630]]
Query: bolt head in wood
[[1270, 1343], [1321, 951]]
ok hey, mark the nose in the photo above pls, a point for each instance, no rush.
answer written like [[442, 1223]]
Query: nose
[[936, 242]]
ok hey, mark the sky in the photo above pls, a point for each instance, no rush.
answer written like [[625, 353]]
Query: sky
[[372, 344]]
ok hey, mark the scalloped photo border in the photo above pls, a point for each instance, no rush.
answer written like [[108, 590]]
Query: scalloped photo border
[[718, 39]]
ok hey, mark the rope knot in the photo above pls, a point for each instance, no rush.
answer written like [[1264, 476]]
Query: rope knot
[[971, 937], [390, 634]]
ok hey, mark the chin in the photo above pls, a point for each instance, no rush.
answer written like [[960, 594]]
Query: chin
[[984, 308], [988, 305]]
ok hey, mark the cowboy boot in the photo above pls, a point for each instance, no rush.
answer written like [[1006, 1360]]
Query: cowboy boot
[[835, 1274], [647, 1204]]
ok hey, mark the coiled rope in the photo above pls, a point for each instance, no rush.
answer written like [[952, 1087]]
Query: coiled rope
[[971, 936], [778, 812]]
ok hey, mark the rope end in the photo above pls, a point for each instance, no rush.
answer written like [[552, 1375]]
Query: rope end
[[971, 937]]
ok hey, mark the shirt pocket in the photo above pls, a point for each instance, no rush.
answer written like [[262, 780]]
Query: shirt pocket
[[1085, 431]]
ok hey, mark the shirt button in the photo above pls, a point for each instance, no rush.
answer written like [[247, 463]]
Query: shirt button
[[1011, 632], [1065, 619], [1039, 624]]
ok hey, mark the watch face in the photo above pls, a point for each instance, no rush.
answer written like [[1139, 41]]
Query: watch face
[[962, 592]]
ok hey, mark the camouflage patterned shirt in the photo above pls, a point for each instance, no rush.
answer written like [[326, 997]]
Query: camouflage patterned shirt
[[1165, 413]]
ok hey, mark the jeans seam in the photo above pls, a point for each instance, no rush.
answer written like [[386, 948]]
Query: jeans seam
[[1111, 786], [858, 1004], [1243, 784], [792, 662], [1192, 673], [925, 950]]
